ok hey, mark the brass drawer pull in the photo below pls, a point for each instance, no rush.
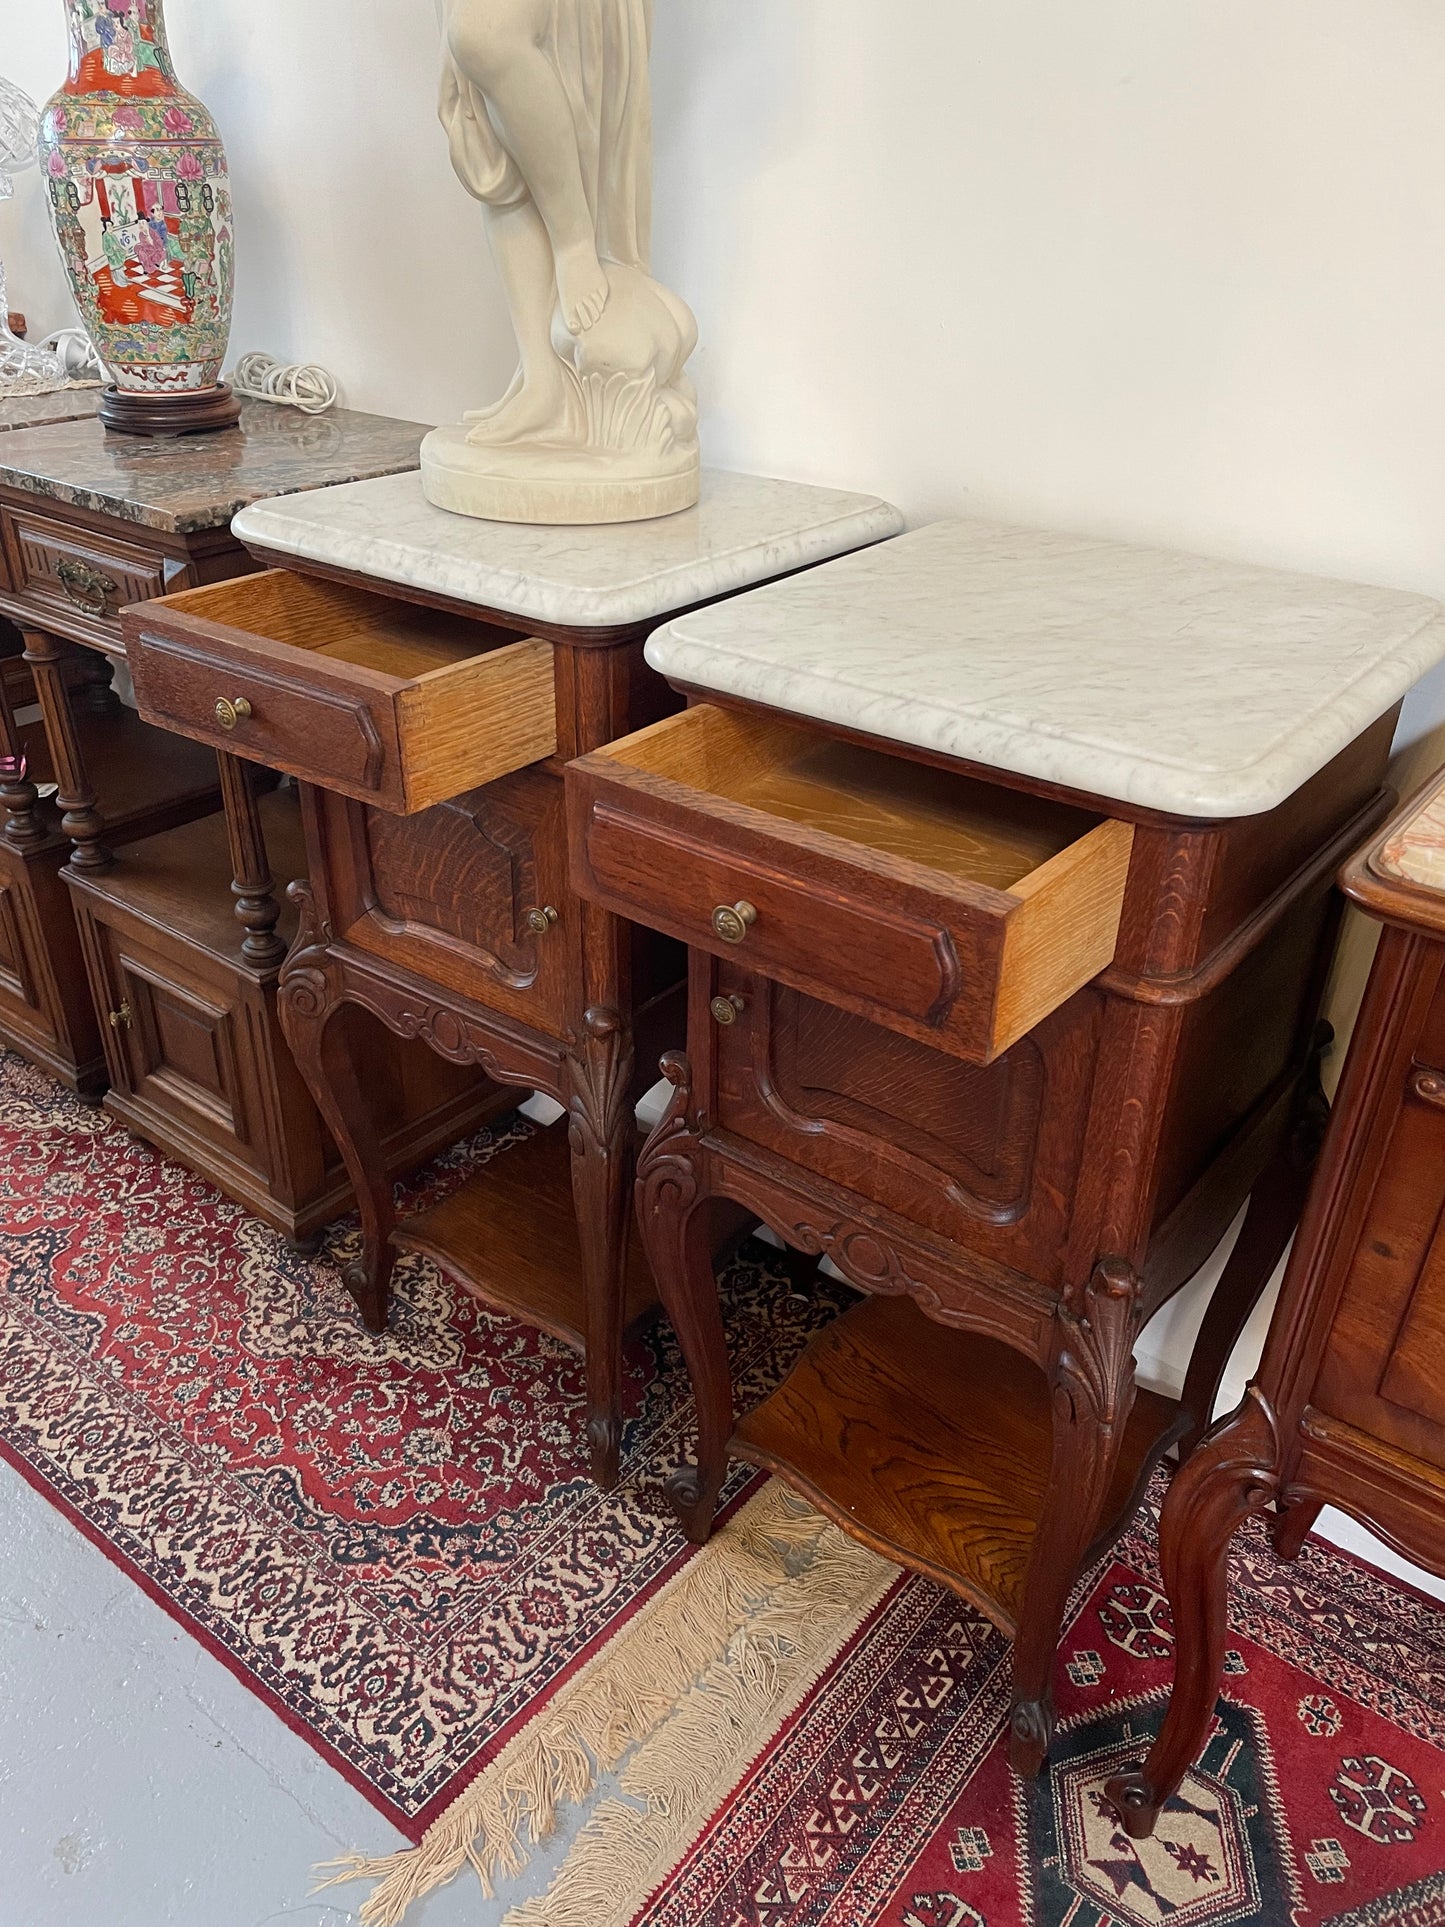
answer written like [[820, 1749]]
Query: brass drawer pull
[[122, 1019], [539, 922], [89, 589], [1429, 1087], [732, 921], [727, 1010], [228, 713]]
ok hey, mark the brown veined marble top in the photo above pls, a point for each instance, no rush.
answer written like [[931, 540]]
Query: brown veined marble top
[[37, 411], [183, 484]]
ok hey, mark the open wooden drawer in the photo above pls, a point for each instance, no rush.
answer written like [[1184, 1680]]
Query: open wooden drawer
[[397, 705], [948, 909]]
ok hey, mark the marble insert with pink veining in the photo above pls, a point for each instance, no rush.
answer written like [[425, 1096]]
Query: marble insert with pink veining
[[1416, 854]]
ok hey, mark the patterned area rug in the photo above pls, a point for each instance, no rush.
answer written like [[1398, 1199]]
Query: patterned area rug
[[391, 1539], [878, 1793]]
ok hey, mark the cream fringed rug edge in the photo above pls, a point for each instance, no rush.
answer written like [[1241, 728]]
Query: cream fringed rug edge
[[692, 1688]]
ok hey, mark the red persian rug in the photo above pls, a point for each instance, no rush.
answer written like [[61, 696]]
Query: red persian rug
[[391, 1539], [882, 1796]]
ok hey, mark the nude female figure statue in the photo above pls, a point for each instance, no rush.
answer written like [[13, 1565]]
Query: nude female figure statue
[[547, 105]]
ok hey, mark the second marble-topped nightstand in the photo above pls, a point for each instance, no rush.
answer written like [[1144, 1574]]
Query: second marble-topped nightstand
[[1005, 863]]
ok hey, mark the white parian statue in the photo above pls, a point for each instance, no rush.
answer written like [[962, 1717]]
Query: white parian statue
[[548, 107]]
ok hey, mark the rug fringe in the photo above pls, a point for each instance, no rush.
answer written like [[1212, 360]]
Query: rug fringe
[[679, 1775], [618, 1700]]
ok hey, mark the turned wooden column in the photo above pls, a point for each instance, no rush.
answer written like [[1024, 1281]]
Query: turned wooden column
[[19, 797], [81, 820], [253, 886]]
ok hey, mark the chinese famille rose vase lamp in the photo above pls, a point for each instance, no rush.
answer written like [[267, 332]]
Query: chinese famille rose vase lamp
[[141, 203]]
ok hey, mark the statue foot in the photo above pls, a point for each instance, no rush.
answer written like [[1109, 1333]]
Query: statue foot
[[537, 411], [582, 287], [487, 414]]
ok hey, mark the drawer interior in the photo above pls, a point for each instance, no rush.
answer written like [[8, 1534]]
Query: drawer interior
[[373, 632], [968, 830]]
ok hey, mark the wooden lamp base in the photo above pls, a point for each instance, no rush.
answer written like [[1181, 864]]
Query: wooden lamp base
[[198, 413]]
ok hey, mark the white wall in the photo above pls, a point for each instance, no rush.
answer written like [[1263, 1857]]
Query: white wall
[[1170, 270]]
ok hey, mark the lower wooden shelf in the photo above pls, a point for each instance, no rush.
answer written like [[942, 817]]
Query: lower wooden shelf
[[934, 1446], [510, 1237]]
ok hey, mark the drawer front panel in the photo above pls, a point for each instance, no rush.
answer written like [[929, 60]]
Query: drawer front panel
[[987, 1155], [297, 724], [77, 581], [848, 948]]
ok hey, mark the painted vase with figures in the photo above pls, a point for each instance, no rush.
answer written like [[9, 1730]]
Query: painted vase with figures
[[140, 198]]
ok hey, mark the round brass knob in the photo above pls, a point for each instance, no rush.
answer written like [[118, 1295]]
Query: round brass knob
[[539, 922], [727, 1010], [732, 921], [229, 713]]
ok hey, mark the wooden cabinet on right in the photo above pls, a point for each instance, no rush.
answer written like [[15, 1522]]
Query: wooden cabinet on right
[[1349, 1405]]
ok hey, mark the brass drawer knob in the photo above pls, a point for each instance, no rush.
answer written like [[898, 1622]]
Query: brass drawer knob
[[727, 1010], [539, 922], [229, 713], [89, 589], [732, 921], [122, 1019]]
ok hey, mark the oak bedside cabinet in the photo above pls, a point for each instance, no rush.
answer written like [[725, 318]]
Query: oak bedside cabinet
[[1349, 1405], [426, 677], [1005, 861], [154, 970]]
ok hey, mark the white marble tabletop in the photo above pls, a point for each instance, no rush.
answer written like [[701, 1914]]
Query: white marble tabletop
[[1198, 688], [746, 529]]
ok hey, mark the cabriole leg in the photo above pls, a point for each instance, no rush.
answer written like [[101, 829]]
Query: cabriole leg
[[1233, 1474], [603, 1140]]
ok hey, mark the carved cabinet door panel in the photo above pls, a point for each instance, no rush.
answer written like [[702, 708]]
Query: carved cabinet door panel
[[19, 996], [471, 894], [1384, 1369], [988, 1155], [173, 1043]]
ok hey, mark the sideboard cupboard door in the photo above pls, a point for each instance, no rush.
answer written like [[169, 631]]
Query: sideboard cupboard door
[[1382, 1368], [384, 701], [172, 1042], [953, 911]]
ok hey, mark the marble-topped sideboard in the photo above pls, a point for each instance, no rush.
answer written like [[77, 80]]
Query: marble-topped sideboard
[[190, 484], [41, 411], [1194, 687]]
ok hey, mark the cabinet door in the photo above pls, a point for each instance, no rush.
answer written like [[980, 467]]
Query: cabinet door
[[173, 1043], [453, 894], [1384, 1368]]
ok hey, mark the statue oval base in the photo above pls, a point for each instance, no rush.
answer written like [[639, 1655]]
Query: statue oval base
[[555, 486]]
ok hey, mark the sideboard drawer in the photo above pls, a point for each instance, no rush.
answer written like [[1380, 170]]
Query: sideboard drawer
[[393, 704], [75, 580], [950, 910]]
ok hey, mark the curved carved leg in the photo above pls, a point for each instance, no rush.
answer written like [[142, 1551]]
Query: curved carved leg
[[1274, 1212], [676, 1226], [309, 1000], [603, 1139], [1233, 1474], [1093, 1395]]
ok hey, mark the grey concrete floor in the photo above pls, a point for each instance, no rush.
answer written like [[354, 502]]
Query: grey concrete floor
[[142, 1785]]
